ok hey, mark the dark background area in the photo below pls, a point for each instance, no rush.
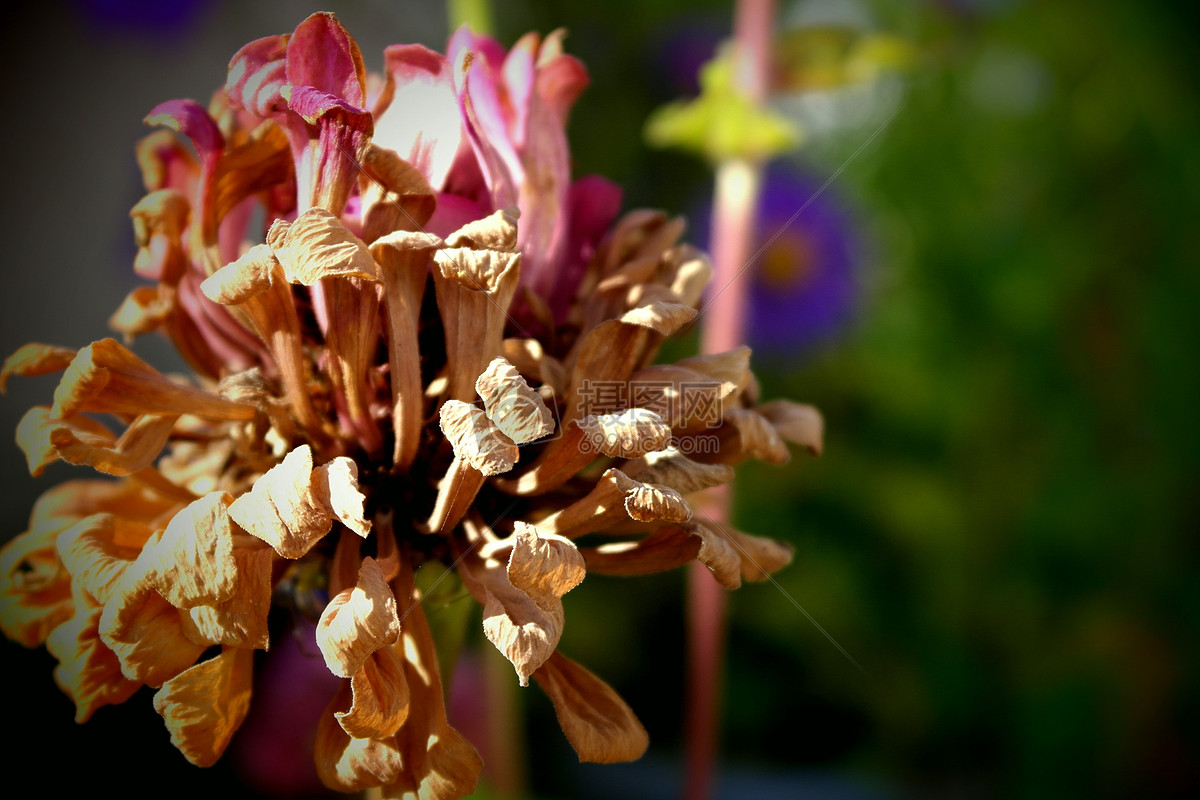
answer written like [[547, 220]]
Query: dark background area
[[1003, 528]]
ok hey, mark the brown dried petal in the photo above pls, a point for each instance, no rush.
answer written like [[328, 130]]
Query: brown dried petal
[[317, 245], [147, 635], [522, 608], [475, 439], [380, 691], [670, 467], [137, 448], [105, 377], [240, 621], [511, 405], [98, 550], [597, 722], [88, 672], [34, 359], [667, 547], [205, 704], [628, 434], [191, 563], [35, 590], [358, 621], [796, 422], [346, 764]]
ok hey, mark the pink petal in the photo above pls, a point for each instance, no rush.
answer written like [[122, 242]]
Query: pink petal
[[256, 74], [190, 119], [322, 54], [423, 122]]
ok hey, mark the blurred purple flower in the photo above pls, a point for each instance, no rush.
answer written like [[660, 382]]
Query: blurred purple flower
[[806, 267], [158, 17]]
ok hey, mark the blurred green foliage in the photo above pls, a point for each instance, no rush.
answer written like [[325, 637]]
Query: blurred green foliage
[[1003, 528]]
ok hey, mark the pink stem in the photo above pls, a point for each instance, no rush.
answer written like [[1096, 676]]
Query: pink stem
[[733, 229]]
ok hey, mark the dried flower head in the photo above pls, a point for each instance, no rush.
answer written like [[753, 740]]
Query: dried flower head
[[414, 339]]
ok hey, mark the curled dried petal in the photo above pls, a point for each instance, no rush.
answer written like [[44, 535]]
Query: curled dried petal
[[204, 705], [358, 621]]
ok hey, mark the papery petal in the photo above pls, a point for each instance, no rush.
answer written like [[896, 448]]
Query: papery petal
[[105, 377], [597, 722], [476, 439], [380, 697], [293, 505], [35, 359], [522, 606], [205, 704], [88, 672], [241, 620], [317, 245], [348, 764], [191, 563], [514, 408], [358, 621], [35, 590]]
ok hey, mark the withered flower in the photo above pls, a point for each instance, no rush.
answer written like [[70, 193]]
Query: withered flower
[[414, 340]]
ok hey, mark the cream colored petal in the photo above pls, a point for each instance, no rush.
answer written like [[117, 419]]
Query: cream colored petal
[[317, 245], [358, 621], [511, 405], [236, 282], [335, 485], [205, 704], [380, 697], [628, 434], [34, 359], [292, 506], [495, 232], [522, 605], [241, 620], [88, 672], [475, 439], [597, 722], [191, 563], [617, 498]]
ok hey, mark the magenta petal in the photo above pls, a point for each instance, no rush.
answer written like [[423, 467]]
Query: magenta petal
[[423, 122], [256, 74], [322, 54], [190, 119], [593, 204], [519, 76]]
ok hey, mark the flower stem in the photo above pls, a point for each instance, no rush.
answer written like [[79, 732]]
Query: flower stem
[[735, 203]]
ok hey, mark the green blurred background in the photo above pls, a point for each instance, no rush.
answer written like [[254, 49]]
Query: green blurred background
[[1003, 528]]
